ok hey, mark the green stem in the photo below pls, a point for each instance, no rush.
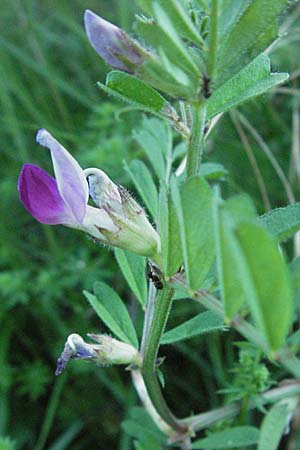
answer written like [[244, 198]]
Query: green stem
[[196, 143], [213, 38], [161, 313]]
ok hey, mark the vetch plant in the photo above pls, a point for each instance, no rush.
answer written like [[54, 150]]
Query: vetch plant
[[188, 63]]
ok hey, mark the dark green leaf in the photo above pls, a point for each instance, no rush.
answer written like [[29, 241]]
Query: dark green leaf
[[200, 324], [141, 426], [282, 223], [133, 268], [144, 184], [238, 437], [112, 311], [134, 91], [193, 204]]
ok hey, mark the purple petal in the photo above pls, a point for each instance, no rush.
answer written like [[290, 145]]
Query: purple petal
[[39, 194], [110, 41], [71, 182]]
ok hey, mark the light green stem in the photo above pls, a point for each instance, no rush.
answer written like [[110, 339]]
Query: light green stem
[[161, 313], [196, 143]]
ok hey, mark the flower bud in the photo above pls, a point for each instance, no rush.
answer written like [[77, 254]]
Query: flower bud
[[117, 49], [107, 350]]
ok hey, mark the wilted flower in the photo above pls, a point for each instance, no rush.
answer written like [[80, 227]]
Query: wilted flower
[[118, 49], [117, 220], [107, 351]]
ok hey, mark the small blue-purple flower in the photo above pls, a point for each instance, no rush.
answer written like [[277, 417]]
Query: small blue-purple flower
[[116, 220], [106, 351], [117, 49]]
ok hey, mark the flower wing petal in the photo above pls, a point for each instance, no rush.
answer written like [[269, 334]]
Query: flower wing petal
[[71, 182], [40, 195]]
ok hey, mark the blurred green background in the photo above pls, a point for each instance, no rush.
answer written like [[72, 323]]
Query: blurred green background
[[48, 73]]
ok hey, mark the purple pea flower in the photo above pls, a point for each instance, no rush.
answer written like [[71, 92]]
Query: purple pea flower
[[116, 48], [116, 220], [107, 350]]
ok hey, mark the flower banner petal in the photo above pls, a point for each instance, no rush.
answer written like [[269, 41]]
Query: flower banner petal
[[71, 182]]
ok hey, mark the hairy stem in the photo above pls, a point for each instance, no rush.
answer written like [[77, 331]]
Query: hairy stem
[[196, 142], [162, 309]]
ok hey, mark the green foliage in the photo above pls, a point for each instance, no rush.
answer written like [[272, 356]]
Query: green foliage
[[140, 426], [7, 444], [251, 81], [232, 438], [133, 268], [273, 426], [110, 308], [200, 324], [282, 223], [193, 204], [144, 184]]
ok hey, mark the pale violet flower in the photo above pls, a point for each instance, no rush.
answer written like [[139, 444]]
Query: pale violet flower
[[116, 220], [106, 351], [117, 49]]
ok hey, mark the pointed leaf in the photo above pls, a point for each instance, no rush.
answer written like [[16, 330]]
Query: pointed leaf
[[255, 30], [266, 282], [112, 311], [143, 181], [200, 324], [273, 427], [238, 437], [227, 216], [193, 204], [132, 90], [251, 81], [133, 268], [282, 223]]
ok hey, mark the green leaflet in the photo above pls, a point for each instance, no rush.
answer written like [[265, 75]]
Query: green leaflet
[[154, 137], [200, 324], [193, 204], [112, 311], [227, 216], [170, 234], [266, 283], [251, 81], [238, 437], [133, 268], [143, 181], [282, 223], [132, 90], [251, 34], [273, 426], [178, 14]]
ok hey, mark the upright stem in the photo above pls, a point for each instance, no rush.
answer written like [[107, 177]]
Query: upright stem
[[196, 143], [162, 309]]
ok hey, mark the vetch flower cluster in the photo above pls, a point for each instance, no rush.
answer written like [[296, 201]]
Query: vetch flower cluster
[[116, 220]]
